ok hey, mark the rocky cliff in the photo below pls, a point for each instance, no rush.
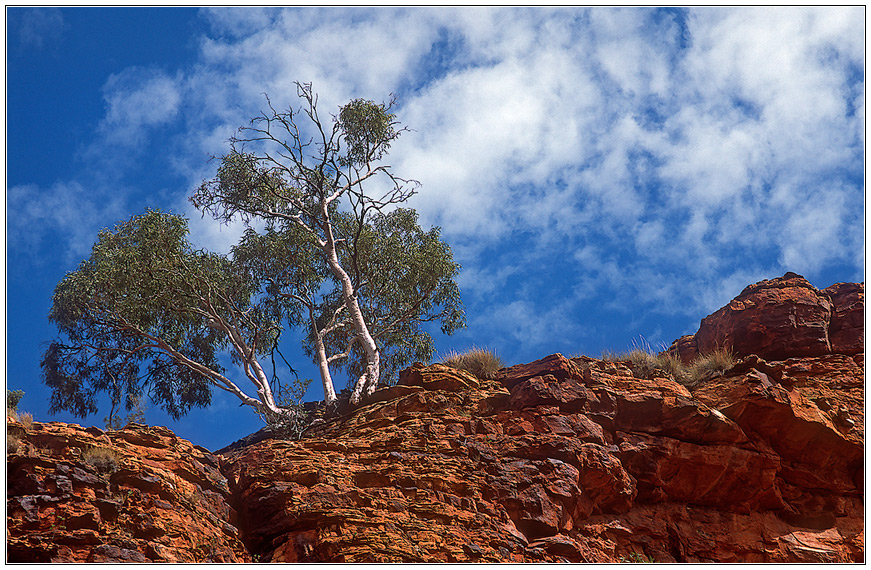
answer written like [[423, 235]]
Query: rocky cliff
[[562, 459]]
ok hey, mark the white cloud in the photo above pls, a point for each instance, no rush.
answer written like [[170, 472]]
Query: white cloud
[[813, 229], [136, 100], [40, 27], [65, 212], [524, 327]]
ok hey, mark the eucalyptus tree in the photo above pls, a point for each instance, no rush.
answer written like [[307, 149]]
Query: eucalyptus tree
[[148, 311], [402, 276], [322, 184]]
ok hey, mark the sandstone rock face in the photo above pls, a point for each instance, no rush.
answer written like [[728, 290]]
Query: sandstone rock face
[[783, 318], [847, 327], [135, 495], [572, 460]]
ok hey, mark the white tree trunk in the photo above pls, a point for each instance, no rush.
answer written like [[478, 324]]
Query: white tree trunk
[[324, 367], [369, 380]]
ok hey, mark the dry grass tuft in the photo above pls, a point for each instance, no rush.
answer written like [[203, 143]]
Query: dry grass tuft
[[481, 362], [709, 365], [24, 418], [101, 458], [643, 362]]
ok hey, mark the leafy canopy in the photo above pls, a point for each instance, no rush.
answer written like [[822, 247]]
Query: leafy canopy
[[139, 313]]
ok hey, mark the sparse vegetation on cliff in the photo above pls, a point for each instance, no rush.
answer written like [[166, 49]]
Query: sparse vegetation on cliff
[[102, 459], [12, 399], [643, 362], [481, 362]]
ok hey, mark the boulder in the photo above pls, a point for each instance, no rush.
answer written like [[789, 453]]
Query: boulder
[[782, 318]]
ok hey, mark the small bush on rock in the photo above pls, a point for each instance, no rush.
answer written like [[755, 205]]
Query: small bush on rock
[[101, 458], [295, 419], [481, 362]]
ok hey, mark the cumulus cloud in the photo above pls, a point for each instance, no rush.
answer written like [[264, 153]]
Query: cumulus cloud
[[136, 100]]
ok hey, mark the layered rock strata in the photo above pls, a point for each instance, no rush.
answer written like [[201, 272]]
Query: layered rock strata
[[135, 495], [573, 460]]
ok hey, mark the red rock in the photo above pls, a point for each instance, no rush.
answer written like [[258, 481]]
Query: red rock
[[581, 463], [555, 365], [847, 327], [148, 496], [782, 318], [686, 348], [775, 319]]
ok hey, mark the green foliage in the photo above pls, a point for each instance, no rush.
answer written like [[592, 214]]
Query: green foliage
[[481, 362], [404, 277], [13, 397], [287, 264], [368, 130], [135, 311]]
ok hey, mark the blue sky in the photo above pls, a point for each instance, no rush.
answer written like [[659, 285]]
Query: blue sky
[[601, 174]]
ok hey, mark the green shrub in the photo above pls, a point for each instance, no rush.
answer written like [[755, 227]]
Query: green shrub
[[12, 399], [480, 362]]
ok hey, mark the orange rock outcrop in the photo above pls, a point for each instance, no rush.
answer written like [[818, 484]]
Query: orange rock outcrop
[[562, 459], [135, 495], [782, 318]]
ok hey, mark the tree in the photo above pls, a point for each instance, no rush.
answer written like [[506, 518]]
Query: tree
[[148, 312], [402, 277], [311, 192], [12, 399], [146, 299]]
